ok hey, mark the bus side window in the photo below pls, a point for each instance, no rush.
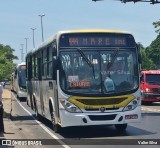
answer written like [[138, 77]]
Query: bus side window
[[29, 68], [54, 61], [44, 63], [39, 68]]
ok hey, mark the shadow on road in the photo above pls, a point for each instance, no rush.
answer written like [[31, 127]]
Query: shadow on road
[[97, 131], [18, 118]]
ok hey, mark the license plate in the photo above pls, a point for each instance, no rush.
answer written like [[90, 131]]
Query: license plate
[[134, 116]]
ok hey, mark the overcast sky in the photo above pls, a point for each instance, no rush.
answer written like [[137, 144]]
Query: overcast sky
[[18, 16]]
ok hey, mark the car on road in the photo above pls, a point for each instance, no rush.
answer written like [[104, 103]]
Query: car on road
[[150, 86]]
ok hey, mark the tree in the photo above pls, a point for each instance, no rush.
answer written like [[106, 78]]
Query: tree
[[6, 61], [157, 25], [153, 52], [146, 62]]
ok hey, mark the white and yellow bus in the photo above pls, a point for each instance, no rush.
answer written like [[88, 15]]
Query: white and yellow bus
[[19, 81], [85, 78]]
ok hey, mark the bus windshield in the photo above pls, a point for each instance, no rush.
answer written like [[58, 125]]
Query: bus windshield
[[22, 76], [107, 71]]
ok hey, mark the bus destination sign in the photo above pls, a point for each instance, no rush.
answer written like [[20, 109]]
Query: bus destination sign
[[96, 41], [89, 40], [23, 67]]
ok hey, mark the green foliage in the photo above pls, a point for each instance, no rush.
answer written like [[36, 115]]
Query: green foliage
[[151, 54], [146, 62], [157, 26], [6, 61]]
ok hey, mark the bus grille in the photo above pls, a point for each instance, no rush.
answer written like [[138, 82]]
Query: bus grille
[[102, 117], [97, 109], [156, 90], [98, 104], [99, 101]]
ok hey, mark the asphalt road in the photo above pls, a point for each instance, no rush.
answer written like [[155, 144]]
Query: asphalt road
[[143, 134]]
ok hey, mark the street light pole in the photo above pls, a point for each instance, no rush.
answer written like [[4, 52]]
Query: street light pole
[[33, 36], [26, 44], [42, 26], [22, 52]]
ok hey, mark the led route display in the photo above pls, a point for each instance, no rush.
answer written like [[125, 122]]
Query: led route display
[[96, 40]]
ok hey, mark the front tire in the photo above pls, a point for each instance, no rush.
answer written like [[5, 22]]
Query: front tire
[[36, 111], [55, 126], [37, 115], [121, 127]]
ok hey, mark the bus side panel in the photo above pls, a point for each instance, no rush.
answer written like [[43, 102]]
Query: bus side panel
[[47, 95], [37, 96], [45, 100], [41, 94]]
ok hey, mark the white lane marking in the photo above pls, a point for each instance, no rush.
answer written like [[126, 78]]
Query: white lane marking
[[51, 134]]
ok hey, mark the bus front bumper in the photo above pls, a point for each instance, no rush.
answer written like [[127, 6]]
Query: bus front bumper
[[88, 119]]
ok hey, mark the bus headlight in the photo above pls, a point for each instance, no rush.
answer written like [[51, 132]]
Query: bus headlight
[[69, 106], [132, 105], [147, 90]]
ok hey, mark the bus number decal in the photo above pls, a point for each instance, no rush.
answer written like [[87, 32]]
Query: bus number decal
[[80, 84]]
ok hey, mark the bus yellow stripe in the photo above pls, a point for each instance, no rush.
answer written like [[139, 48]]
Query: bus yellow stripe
[[97, 102]]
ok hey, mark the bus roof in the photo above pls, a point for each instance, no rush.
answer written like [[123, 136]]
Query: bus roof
[[92, 30], [23, 63], [150, 71]]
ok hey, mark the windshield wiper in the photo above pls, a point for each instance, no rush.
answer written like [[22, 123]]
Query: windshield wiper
[[87, 60], [84, 57]]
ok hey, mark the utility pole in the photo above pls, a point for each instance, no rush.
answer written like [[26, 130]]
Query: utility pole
[[42, 26], [26, 44], [22, 52], [33, 36]]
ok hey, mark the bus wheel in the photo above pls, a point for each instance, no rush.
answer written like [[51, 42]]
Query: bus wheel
[[37, 114], [121, 127], [56, 127], [27, 102], [17, 96], [36, 111]]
